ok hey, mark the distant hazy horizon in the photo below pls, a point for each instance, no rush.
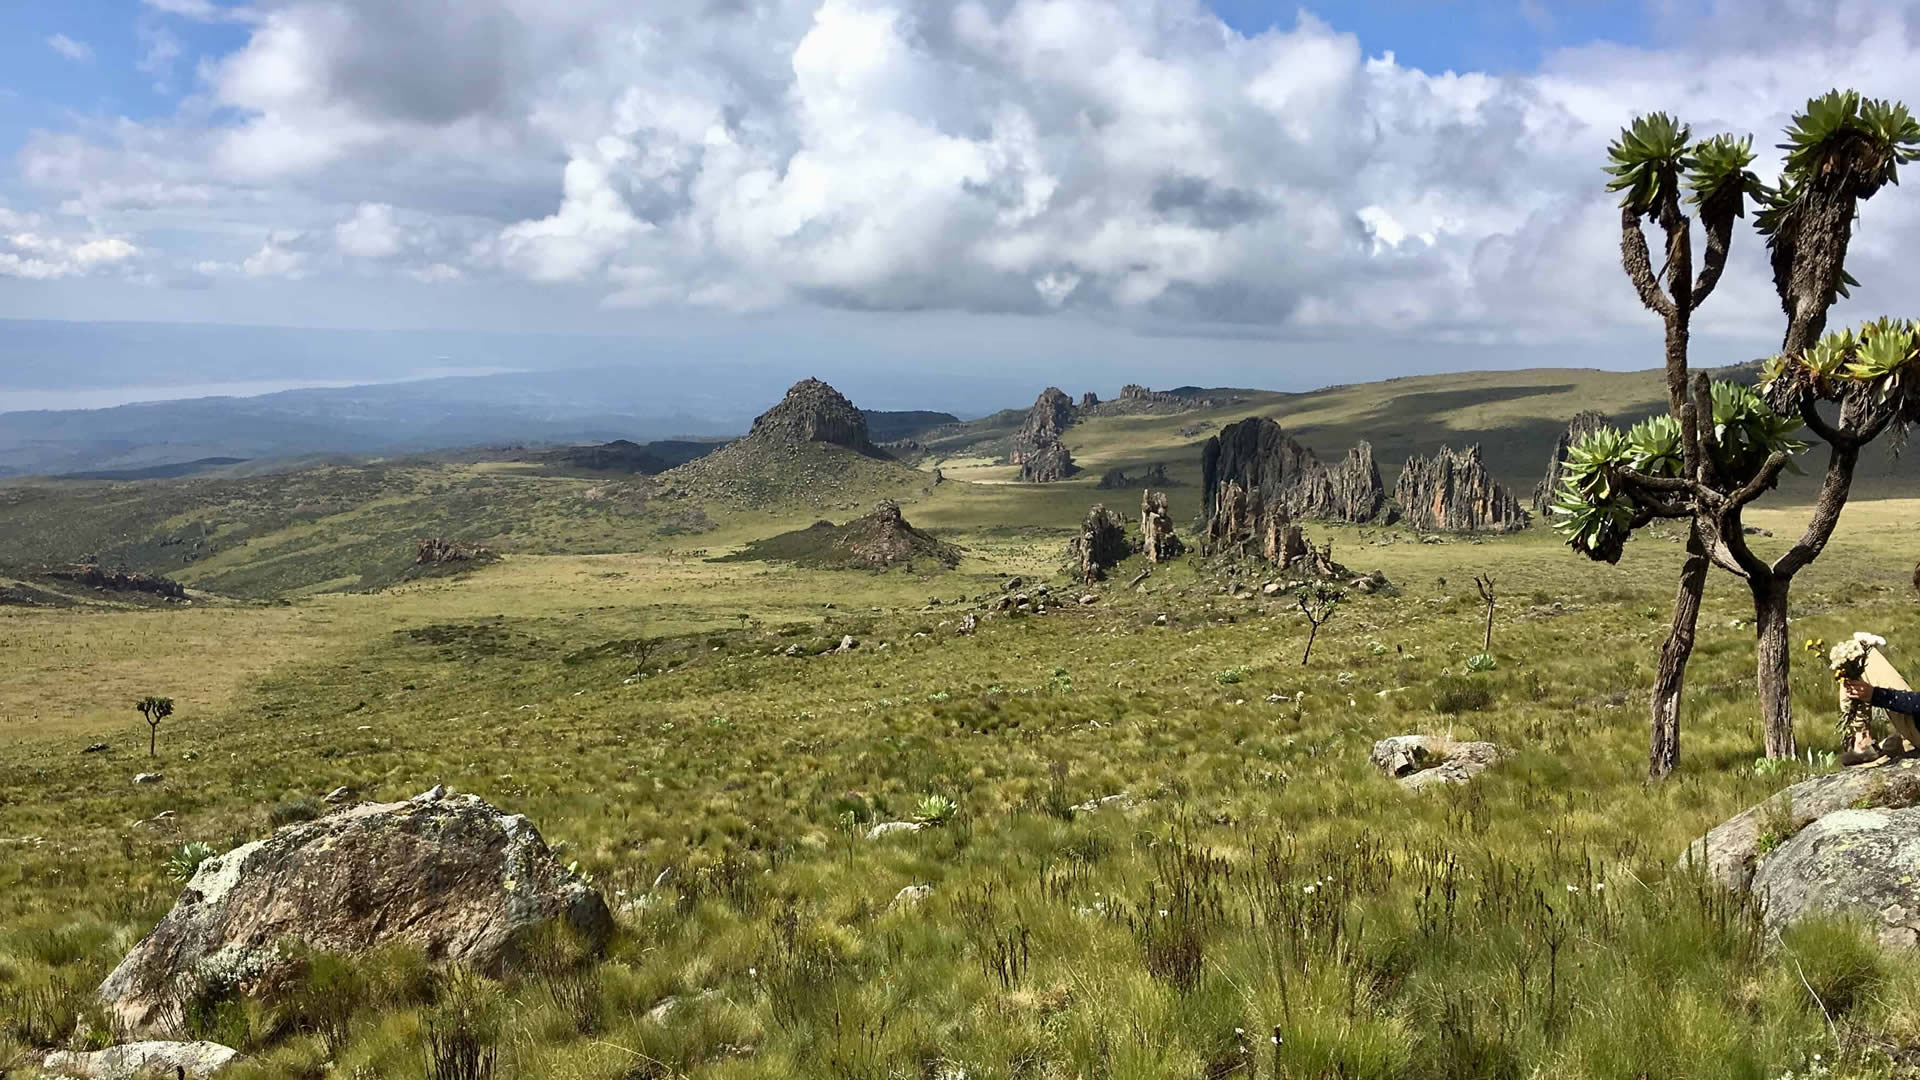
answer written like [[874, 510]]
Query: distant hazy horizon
[[955, 363]]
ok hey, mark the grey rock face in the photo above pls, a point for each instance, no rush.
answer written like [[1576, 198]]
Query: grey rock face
[[1284, 478], [1051, 415], [1157, 538], [811, 412], [1453, 492], [1861, 863], [450, 875], [1101, 545], [1048, 463]]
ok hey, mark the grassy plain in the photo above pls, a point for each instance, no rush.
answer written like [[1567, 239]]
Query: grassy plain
[[1260, 881]]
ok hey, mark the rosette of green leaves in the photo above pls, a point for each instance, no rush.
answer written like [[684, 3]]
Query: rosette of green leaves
[[1748, 431], [1590, 509], [1646, 161], [1843, 137], [1883, 357], [1719, 178]]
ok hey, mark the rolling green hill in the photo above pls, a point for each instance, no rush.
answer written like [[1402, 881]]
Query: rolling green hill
[[352, 526]]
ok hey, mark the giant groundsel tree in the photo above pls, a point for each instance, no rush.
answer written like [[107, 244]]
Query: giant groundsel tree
[[1722, 446]]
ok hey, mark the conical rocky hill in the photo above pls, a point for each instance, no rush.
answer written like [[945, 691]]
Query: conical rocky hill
[[811, 448]]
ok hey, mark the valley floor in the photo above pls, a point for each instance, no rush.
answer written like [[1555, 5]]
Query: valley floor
[[1262, 903]]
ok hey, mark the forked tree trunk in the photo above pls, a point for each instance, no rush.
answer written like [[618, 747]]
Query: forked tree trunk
[[1669, 681], [1773, 666]]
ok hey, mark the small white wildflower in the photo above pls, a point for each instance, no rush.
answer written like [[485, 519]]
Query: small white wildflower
[[1573, 888]]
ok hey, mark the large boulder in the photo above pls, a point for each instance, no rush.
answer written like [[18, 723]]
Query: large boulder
[[193, 1060], [1862, 864], [1731, 851], [1422, 761], [449, 874]]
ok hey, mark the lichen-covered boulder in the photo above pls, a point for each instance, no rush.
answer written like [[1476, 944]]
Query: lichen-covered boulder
[[449, 874], [1729, 852], [1863, 864]]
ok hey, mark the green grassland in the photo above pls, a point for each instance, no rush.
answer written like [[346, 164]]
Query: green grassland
[[635, 699]]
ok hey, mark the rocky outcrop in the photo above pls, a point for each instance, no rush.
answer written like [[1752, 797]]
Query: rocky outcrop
[[1157, 539], [1731, 851], [813, 412], [1101, 545], [1049, 464], [1420, 761], [1286, 477], [880, 540], [438, 552], [1088, 400], [1858, 864], [121, 580], [1137, 400], [1046, 422], [1584, 424], [1155, 476], [193, 1060], [1354, 489], [1242, 527], [447, 874], [1453, 492]]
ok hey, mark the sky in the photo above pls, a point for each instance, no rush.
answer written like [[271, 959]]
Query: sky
[[1243, 192]]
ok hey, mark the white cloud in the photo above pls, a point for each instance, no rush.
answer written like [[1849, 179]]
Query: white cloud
[[203, 10], [77, 51], [277, 258], [372, 233], [33, 247], [1129, 156], [592, 224]]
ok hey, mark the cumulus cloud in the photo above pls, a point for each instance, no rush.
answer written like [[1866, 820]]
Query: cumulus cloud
[[35, 248], [77, 51], [371, 233], [1130, 157]]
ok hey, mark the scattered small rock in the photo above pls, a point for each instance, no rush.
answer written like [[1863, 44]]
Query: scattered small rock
[[97, 748], [911, 895], [889, 828], [148, 778], [1122, 801], [847, 644], [339, 795], [1089, 599]]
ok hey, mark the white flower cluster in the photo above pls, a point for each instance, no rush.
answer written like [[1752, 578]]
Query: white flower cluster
[[1850, 656]]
